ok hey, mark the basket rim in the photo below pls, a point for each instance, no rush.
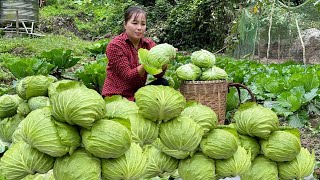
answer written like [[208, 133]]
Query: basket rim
[[204, 82]]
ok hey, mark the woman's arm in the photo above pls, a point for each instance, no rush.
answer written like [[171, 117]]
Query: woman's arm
[[120, 64]]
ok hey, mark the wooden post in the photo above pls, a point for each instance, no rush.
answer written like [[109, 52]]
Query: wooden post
[[17, 21]]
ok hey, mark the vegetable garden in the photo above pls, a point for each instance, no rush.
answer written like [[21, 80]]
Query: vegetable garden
[[54, 120]]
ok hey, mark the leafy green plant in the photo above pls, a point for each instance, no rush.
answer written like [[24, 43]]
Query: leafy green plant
[[22, 67], [99, 47], [93, 74], [61, 60], [290, 89]]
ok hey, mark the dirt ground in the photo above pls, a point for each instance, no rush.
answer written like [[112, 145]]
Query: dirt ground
[[311, 140]]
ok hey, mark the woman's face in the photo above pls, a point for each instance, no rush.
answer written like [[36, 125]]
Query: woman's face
[[135, 27]]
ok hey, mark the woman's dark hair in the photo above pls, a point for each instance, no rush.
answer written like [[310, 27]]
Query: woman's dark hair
[[131, 11]]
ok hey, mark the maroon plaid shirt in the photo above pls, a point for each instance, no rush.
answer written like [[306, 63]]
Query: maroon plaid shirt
[[122, 72]]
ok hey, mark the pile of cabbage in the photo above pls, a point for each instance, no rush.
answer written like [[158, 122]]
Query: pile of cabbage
[[201, 68], [62, 130]]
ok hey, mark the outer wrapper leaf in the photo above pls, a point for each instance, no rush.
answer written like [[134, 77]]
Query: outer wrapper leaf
[[281, 146], [302, 166], [131, 165], [219, 144], [39, 176], [159, 163], [262, 168], [158, 56], [181, 133], [203, 115], [21, 159], [159, 103], [80, 106], [106, 139], [250, 144], [197, 167], [255, 120], [238, 164], [78, 166], [41, 131], [62, 85]]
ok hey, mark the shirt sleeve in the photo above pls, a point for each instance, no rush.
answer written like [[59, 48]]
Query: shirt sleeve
[[120, 64]]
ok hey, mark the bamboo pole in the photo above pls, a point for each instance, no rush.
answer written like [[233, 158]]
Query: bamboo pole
[[302, 44], [269, 31]]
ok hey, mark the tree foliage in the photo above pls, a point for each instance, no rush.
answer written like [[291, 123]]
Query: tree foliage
[[192, 24]]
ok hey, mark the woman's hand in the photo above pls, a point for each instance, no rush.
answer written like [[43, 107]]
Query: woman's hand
[[141, 70], [164, 69]]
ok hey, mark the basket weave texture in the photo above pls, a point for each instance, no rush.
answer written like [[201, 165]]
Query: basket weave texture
[[210, 93]]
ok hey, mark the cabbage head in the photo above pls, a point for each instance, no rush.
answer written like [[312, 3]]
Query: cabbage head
[[281, 146], [80, 106], [38, 102], [8, 126], [203, 115], [255, 120], [250, 144], [80, 165], [41, 131], [172, 152], [106, 139], [262, 168], [156, 57], [23, 109], [181, 133], [300, 167], [32, 86], [197, 167], [143, 130], [203, 58], [159, 103], [9, 105], [131, 165], [39, 176], [159, 163], [214, 73], [219, 144], [238, 164], [188, 72], [21, 160], [119, 107], [62, 85]]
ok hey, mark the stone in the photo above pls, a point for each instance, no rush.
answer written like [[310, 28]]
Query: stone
[[311, 39]]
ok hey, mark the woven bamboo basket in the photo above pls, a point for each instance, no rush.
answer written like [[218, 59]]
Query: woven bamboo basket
[[210, 93]]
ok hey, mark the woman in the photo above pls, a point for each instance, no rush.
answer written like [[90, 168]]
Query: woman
[[124, 73]]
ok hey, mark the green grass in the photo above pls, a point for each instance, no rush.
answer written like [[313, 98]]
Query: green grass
[[30, 47]]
